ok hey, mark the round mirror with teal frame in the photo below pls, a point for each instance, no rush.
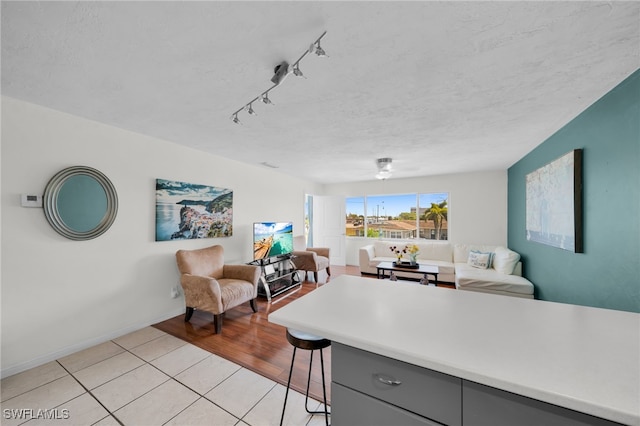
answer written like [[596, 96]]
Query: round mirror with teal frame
[[80, 203]]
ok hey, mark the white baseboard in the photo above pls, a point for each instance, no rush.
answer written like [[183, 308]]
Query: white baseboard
[[23, 366]]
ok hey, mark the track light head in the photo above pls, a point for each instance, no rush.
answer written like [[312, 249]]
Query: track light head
[[249, 109], [234, 118], [297, 72], [265, 99], [320, 51]]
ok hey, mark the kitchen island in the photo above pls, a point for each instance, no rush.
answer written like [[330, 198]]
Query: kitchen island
[[584, 359]]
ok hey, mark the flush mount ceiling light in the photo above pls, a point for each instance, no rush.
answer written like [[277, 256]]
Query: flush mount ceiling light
[[384, 168], [281, 71]]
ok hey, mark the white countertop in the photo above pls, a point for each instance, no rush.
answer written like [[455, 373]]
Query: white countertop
[[582, 358]]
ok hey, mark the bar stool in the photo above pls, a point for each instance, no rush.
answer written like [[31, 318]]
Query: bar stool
[[302, 340]]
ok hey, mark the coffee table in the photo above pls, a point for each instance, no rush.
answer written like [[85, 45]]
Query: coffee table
[[424, 270]]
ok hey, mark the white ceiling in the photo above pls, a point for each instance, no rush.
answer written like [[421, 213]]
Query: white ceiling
[[440, 87]]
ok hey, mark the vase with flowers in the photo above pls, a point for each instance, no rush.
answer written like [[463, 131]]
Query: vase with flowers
[[398, 252], [412, 250]]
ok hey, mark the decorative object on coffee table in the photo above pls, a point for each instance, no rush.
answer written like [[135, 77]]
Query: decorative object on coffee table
[[393, 269], [406, 265], [398, 253], [413, 250]]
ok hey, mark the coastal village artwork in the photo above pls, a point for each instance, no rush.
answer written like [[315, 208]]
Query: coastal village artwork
[[189, 211]]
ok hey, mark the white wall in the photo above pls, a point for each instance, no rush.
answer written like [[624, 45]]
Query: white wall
[[477, 204], [59, 295]]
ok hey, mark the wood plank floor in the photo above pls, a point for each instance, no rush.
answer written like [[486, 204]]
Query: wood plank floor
[[251, 341]]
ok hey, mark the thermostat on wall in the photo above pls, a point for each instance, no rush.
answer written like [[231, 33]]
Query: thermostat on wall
[[31, 200]]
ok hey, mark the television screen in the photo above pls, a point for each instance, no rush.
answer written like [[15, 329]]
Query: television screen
[[271, 239]]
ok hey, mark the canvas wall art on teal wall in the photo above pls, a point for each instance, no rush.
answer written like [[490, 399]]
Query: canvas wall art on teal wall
[[554, 203]]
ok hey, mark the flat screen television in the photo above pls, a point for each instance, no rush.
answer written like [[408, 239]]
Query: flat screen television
[[272, 239]]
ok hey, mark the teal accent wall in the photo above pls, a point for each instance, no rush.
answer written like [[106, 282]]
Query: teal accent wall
[[607, 274]]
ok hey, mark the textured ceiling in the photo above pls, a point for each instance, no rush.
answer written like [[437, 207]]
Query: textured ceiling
[[440, 87]]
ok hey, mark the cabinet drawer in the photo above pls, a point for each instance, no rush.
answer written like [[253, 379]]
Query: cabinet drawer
[[487, 406], [426, 392], [351, 408]]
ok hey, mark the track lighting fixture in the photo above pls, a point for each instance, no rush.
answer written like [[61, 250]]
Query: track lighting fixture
[[280, 73]]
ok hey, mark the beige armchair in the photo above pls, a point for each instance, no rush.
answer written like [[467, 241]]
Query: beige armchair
[[310, 259], [212, 286]]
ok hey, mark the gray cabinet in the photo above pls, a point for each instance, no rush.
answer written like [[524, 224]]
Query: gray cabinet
[[352, 408], [404, 389], [487, 406], [371, 389]]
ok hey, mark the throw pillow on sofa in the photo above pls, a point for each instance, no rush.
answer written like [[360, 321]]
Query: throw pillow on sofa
[[505, 260], [480, 260]]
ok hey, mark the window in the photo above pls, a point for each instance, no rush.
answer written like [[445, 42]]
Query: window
[[433, 216], [391, 217], [398, 216], [355, 217], [308, 218]]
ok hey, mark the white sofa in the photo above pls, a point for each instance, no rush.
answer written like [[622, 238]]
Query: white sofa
[[434, 253], [504, 276]]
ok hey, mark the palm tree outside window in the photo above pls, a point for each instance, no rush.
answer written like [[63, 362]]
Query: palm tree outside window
[[398, 216], [437, 213]]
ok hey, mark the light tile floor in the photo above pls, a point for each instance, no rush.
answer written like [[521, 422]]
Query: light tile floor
[[148, 377]]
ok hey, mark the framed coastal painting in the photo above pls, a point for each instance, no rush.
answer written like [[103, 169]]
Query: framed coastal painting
[[554, 203], [189, 211]]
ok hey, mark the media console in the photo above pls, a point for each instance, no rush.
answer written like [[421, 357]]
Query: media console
[[278, 275]]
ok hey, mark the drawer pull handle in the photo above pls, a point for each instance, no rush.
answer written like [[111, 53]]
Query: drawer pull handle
[[388, 381]]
